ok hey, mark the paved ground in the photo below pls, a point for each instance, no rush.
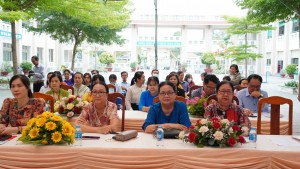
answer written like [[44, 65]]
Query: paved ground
[[271, 85]]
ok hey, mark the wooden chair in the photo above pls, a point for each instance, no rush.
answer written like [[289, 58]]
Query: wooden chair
[[275, 102], [194, 88], [112, 97], [67, 87], [47, 98], [238, 88], [178, 98], [111, 86], [214, 97]]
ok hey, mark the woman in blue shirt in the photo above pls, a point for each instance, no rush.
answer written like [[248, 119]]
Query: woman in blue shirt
[[167, 113], [146, 99]]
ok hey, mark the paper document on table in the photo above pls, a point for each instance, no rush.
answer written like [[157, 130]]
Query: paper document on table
[[284, 141]]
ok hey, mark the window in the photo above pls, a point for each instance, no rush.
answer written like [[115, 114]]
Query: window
[[7, 54], [39, 54], [268, 62], [51, 59], [25, 52], [281, 28], [269, 34], [68, 56], [295, 27], [295, 61]]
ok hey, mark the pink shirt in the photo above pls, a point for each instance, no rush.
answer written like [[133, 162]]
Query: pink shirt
[[91, 117]]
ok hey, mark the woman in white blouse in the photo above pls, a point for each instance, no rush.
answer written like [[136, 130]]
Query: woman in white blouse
[[79, 88], [46, 87], [134, 91]]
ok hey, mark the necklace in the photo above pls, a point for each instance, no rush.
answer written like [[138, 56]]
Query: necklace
[[58, 95]]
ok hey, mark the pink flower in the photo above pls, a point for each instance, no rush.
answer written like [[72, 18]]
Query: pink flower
[[197, 98], [193, 101], [188, 102], [205, 104], [203, 94], [70, 114]]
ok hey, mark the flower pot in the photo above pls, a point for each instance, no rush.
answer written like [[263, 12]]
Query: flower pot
[[282, 75], [291, 76], [133, 69], [109, 69], [4, 73]]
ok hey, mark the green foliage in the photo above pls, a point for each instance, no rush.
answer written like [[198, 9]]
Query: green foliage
[[26, 65], [291, 84], [290, 69], [208, 58], [133, 65], [107, 58], [6, 67]]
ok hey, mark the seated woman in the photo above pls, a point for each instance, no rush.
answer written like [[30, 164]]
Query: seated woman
[[100, 116], [167, 113], [224, 108], [15, 112], [96, 79], [46, 87], [172, 77], [79, 88], [146, 99], [69, 80], [133, 94], [56, 91], [87, 78]]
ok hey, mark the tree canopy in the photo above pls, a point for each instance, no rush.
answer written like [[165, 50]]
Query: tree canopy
[[208, 59]]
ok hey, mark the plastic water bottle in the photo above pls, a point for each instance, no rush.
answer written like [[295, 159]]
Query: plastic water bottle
[[47, 107], [78, 136], [159, 136], [252, 138]]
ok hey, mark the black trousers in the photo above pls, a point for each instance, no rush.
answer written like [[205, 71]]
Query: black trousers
[[37, 86], [134, 106]]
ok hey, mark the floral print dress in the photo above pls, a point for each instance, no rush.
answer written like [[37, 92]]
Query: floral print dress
[[15, 116]]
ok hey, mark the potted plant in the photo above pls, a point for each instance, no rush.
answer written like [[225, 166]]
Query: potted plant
[[108, 59], [133, 66], [26, 66], [282, 73], [290, 70], [6, 69]]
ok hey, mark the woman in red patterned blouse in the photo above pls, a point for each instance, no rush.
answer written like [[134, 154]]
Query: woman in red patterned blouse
[[224, 108], [15, 112], [100, 116]]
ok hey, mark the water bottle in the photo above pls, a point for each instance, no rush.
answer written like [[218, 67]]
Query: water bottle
[[78, 136], [159, 136], [47, 107], [252, 138]]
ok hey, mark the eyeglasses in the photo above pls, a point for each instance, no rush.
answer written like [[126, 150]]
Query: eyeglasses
[[223, 92], [166, 93], [253, 86], [211, 88], [95, 93]]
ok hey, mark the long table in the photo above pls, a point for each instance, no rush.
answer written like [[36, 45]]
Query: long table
[[143, 153], [135, 119]]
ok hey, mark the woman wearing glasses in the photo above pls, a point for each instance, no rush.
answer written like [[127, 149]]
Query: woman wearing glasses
[[224, 108], [100, 116], [167, 113]]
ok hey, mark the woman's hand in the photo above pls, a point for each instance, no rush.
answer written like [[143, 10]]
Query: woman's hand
[[7, 130], [104, 130], [247, 112], [173, 125]]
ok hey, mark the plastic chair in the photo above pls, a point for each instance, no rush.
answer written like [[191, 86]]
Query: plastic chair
[[47, 98], [178, 98], [275, 102], [214, 97], [67, 88], [112, 97], [111, 86]]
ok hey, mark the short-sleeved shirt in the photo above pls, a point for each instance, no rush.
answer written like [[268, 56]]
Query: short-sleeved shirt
[[185, 86], [90, 116], [247, 101], [146, 99], [13, 115], [234, 112], [60, 94], [178, 115]]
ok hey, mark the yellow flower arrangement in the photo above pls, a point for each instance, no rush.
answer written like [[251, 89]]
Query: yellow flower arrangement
[[48, 128]]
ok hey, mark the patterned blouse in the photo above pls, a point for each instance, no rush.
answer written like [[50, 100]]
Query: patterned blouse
[[12, 115], [81, 90], [91, 118], [235, 112]]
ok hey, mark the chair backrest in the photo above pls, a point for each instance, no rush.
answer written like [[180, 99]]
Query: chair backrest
[[111, 86], [47, 98], [214, 97], [239, 87], [194, 88], [112, 97], [275, 102], [178, 98], [67, 87]]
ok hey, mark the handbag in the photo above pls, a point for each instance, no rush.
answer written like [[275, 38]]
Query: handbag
[[126, 135], [171, 133]]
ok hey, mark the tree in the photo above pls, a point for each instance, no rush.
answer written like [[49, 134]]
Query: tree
[[77, 31], [265, 12], [243, 26], [107, 58], [208, 59]]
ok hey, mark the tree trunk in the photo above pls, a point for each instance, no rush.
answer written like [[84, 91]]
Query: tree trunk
[[74, 53], [246, 61], [14, 47]]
